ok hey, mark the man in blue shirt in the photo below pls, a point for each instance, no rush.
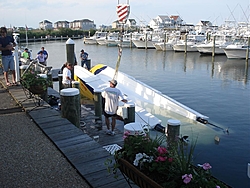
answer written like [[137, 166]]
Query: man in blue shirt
[[6, 46], [84, 58], [46, 55]]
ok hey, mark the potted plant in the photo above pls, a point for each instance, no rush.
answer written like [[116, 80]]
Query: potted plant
[[149, 163], [35, 82]]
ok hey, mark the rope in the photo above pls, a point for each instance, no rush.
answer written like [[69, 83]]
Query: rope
[[118, 61]]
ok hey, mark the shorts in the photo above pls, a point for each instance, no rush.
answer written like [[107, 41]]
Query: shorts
[[109, 115], [8, 63]]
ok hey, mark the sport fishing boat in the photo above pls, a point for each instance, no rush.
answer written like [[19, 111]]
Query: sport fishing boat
[[136, 92]]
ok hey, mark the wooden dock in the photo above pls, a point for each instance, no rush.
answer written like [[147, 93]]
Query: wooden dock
[[85, 154]]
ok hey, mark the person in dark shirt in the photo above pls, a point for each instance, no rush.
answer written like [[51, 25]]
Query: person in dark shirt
[[6, 46]]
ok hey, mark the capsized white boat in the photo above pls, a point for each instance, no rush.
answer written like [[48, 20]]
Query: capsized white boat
[[135, 91]]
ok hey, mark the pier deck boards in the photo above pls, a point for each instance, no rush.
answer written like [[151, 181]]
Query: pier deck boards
[[77, 144]]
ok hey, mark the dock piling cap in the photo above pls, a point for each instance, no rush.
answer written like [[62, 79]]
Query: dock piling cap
[[69, 92], [75, 82], [174, 122], [133, 128], [42, 75]]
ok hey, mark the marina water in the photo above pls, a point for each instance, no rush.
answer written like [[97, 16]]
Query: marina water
[[218, 88]]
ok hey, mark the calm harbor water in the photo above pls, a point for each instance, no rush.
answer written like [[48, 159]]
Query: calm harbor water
[[217, 88]]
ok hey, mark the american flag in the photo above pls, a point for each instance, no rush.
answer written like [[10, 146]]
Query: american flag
[[122, 12]]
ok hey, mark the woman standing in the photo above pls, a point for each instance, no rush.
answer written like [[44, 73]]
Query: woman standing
[[66, 80]]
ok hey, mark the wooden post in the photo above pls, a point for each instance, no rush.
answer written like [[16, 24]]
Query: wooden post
[[98, 105], [70, 52], [131, 42], [130, 113], [172, 131], [70, 108], [185, 43], [213, 50], [247, 51], [50, 79], [146, 41], [76, 84], [60, 76]]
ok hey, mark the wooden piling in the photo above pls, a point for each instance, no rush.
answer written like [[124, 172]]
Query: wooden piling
[[247, 51], [98, 105], [60, 76], [172, 131], [70, 108], [130, 113], [213, 50], [185, 43], [70, 52]]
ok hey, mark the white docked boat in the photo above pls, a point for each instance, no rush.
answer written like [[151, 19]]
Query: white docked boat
[[190, 44], [218, 46], [146, 40], [135, 91], [236, 51], [126, 41], [208, 48], [97, 35], [111, 39], [101, 40]]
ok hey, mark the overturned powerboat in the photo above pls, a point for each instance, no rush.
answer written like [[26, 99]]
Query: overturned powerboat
[[97, 79]]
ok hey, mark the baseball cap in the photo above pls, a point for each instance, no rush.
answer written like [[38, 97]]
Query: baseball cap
[[114, 82]]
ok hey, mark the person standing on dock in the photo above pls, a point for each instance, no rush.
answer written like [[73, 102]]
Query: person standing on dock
[[111, 96], [66, 80], [84, 58], [46, 55], [41, 58], [6, 46]]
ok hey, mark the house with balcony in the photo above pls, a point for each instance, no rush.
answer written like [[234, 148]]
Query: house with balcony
[[61, 24], [45, 25], [129, 24], [84, 24], [165, 22]]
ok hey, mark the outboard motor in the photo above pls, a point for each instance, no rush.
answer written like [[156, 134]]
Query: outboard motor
[[199, 119], [160, 128]]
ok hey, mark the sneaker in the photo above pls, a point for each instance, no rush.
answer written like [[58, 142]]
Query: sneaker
[[113, 133], [109, 132]]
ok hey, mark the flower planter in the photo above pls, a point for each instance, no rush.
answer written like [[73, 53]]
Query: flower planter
[[136, 175], [37, 89]]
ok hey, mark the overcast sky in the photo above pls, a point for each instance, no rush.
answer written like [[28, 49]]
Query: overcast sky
[[31, 12]]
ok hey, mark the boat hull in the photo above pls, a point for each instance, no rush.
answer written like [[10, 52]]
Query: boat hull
[[139, 93], [209, 50], [237, 53], [140, 44]]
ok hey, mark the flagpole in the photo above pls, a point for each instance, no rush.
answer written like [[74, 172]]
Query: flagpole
[[26, 33]]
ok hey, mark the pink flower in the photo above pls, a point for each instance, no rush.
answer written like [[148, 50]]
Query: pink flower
[[187, 178], [126, 134], [161, 150], [170, 159], [217, 186], [161, 158], [206, 166]]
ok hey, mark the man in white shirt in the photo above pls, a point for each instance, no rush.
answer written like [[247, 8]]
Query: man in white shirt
[[111, 96]]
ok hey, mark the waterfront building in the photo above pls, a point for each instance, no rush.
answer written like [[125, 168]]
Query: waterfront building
[[45, 24]]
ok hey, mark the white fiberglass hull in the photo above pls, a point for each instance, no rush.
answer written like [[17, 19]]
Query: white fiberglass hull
[[237, 53], [205, 49], [144, 44], [182, 48], [137, 92], [90, 40]]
